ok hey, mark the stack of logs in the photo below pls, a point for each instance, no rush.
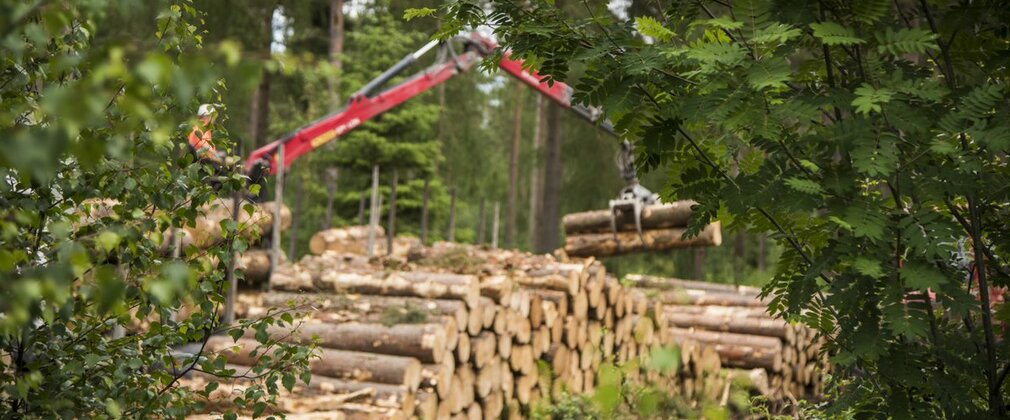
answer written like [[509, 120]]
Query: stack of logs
[[735, 321], [663, 226], [463, 332]]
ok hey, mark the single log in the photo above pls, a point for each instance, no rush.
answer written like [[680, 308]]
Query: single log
[[558, 299], [426, 342], [563, 277], [738, 350], [463, 349], [709, 298], [504, 346], [657, 216], [734, 324], [438, 377], [558, 356], [488, 312], [255, 265], [492, 406], [384, 395], [524, 388], [718, 311], [519, 327], [416, 284], [536, 316], [603, 244], [488, 378], [350, 239], [498, 287], [507, 380], [669, 283], [483, 348], [339, 364], [521, 360], [393, 309], [426, 405], [473, 412], [467, 377]]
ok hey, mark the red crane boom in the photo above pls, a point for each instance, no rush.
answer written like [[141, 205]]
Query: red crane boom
[[367, 104]]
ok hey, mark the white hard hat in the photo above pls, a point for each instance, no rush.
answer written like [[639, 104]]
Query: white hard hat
[[206, 110]]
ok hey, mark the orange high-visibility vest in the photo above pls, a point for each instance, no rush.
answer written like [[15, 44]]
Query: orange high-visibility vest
[[201, 139]]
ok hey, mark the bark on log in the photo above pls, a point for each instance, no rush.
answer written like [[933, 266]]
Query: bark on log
[[708, 298], [425, 342], [669, 283], [738, 350], [392, 308], [734, 324], [603, 244], [416, 284], [350, 239], [396, 370], [658, 216]]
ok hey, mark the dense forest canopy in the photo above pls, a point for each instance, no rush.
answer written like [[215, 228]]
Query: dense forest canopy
[[868, 137]]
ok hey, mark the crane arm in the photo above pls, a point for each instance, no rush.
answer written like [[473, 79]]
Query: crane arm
[[367, 104]]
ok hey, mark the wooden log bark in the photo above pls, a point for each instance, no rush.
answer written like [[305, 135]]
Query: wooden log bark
[[370, 367], [417, 284], [738, 350], [425, 342], [392, 308], [669, 283], [658, 216], [734, 324], [709, 298], [603, 244], [350, 239]]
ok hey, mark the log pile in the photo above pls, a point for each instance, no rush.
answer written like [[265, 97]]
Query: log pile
[[734, 320], [663, 227], [483, 333]]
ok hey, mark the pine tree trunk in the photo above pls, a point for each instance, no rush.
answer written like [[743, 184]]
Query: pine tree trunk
[[512, 212], [332, 175], [536, 182], [424, 211], [480, 223], [336, 47], [550, 215], [296, 216], [391, 223], [451, 233], [699, 263], [259, 113]]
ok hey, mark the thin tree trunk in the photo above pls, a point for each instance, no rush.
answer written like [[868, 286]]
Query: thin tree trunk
[[550, 215], [740, 255], [260, 111], [536, 182], [450, 235], [296, 216], [361, 209], [391, 224], [517, 127], [332, 175], [699, 263], [480, 223], [494, 225], [424, 211], [336, 48], [373, 216]]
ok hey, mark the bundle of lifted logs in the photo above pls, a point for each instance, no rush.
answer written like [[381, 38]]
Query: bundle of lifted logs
[[663, 227]]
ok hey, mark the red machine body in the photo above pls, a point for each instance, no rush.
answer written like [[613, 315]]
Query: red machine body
[[365, 104]]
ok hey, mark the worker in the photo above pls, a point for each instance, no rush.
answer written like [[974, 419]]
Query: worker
[[201, 139]]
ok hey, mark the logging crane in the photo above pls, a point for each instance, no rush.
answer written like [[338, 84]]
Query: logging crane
[[371, 101]]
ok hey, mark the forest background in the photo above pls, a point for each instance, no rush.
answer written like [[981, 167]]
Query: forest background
[[302, 60]]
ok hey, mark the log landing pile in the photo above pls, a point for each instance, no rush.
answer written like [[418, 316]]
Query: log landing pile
[[663, 226], [456, 331], [734, 320]]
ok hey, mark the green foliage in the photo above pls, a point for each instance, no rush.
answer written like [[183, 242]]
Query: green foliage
[[96, 176], [868, 137]]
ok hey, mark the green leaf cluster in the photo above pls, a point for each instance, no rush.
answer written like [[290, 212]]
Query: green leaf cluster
[[868, 137]]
